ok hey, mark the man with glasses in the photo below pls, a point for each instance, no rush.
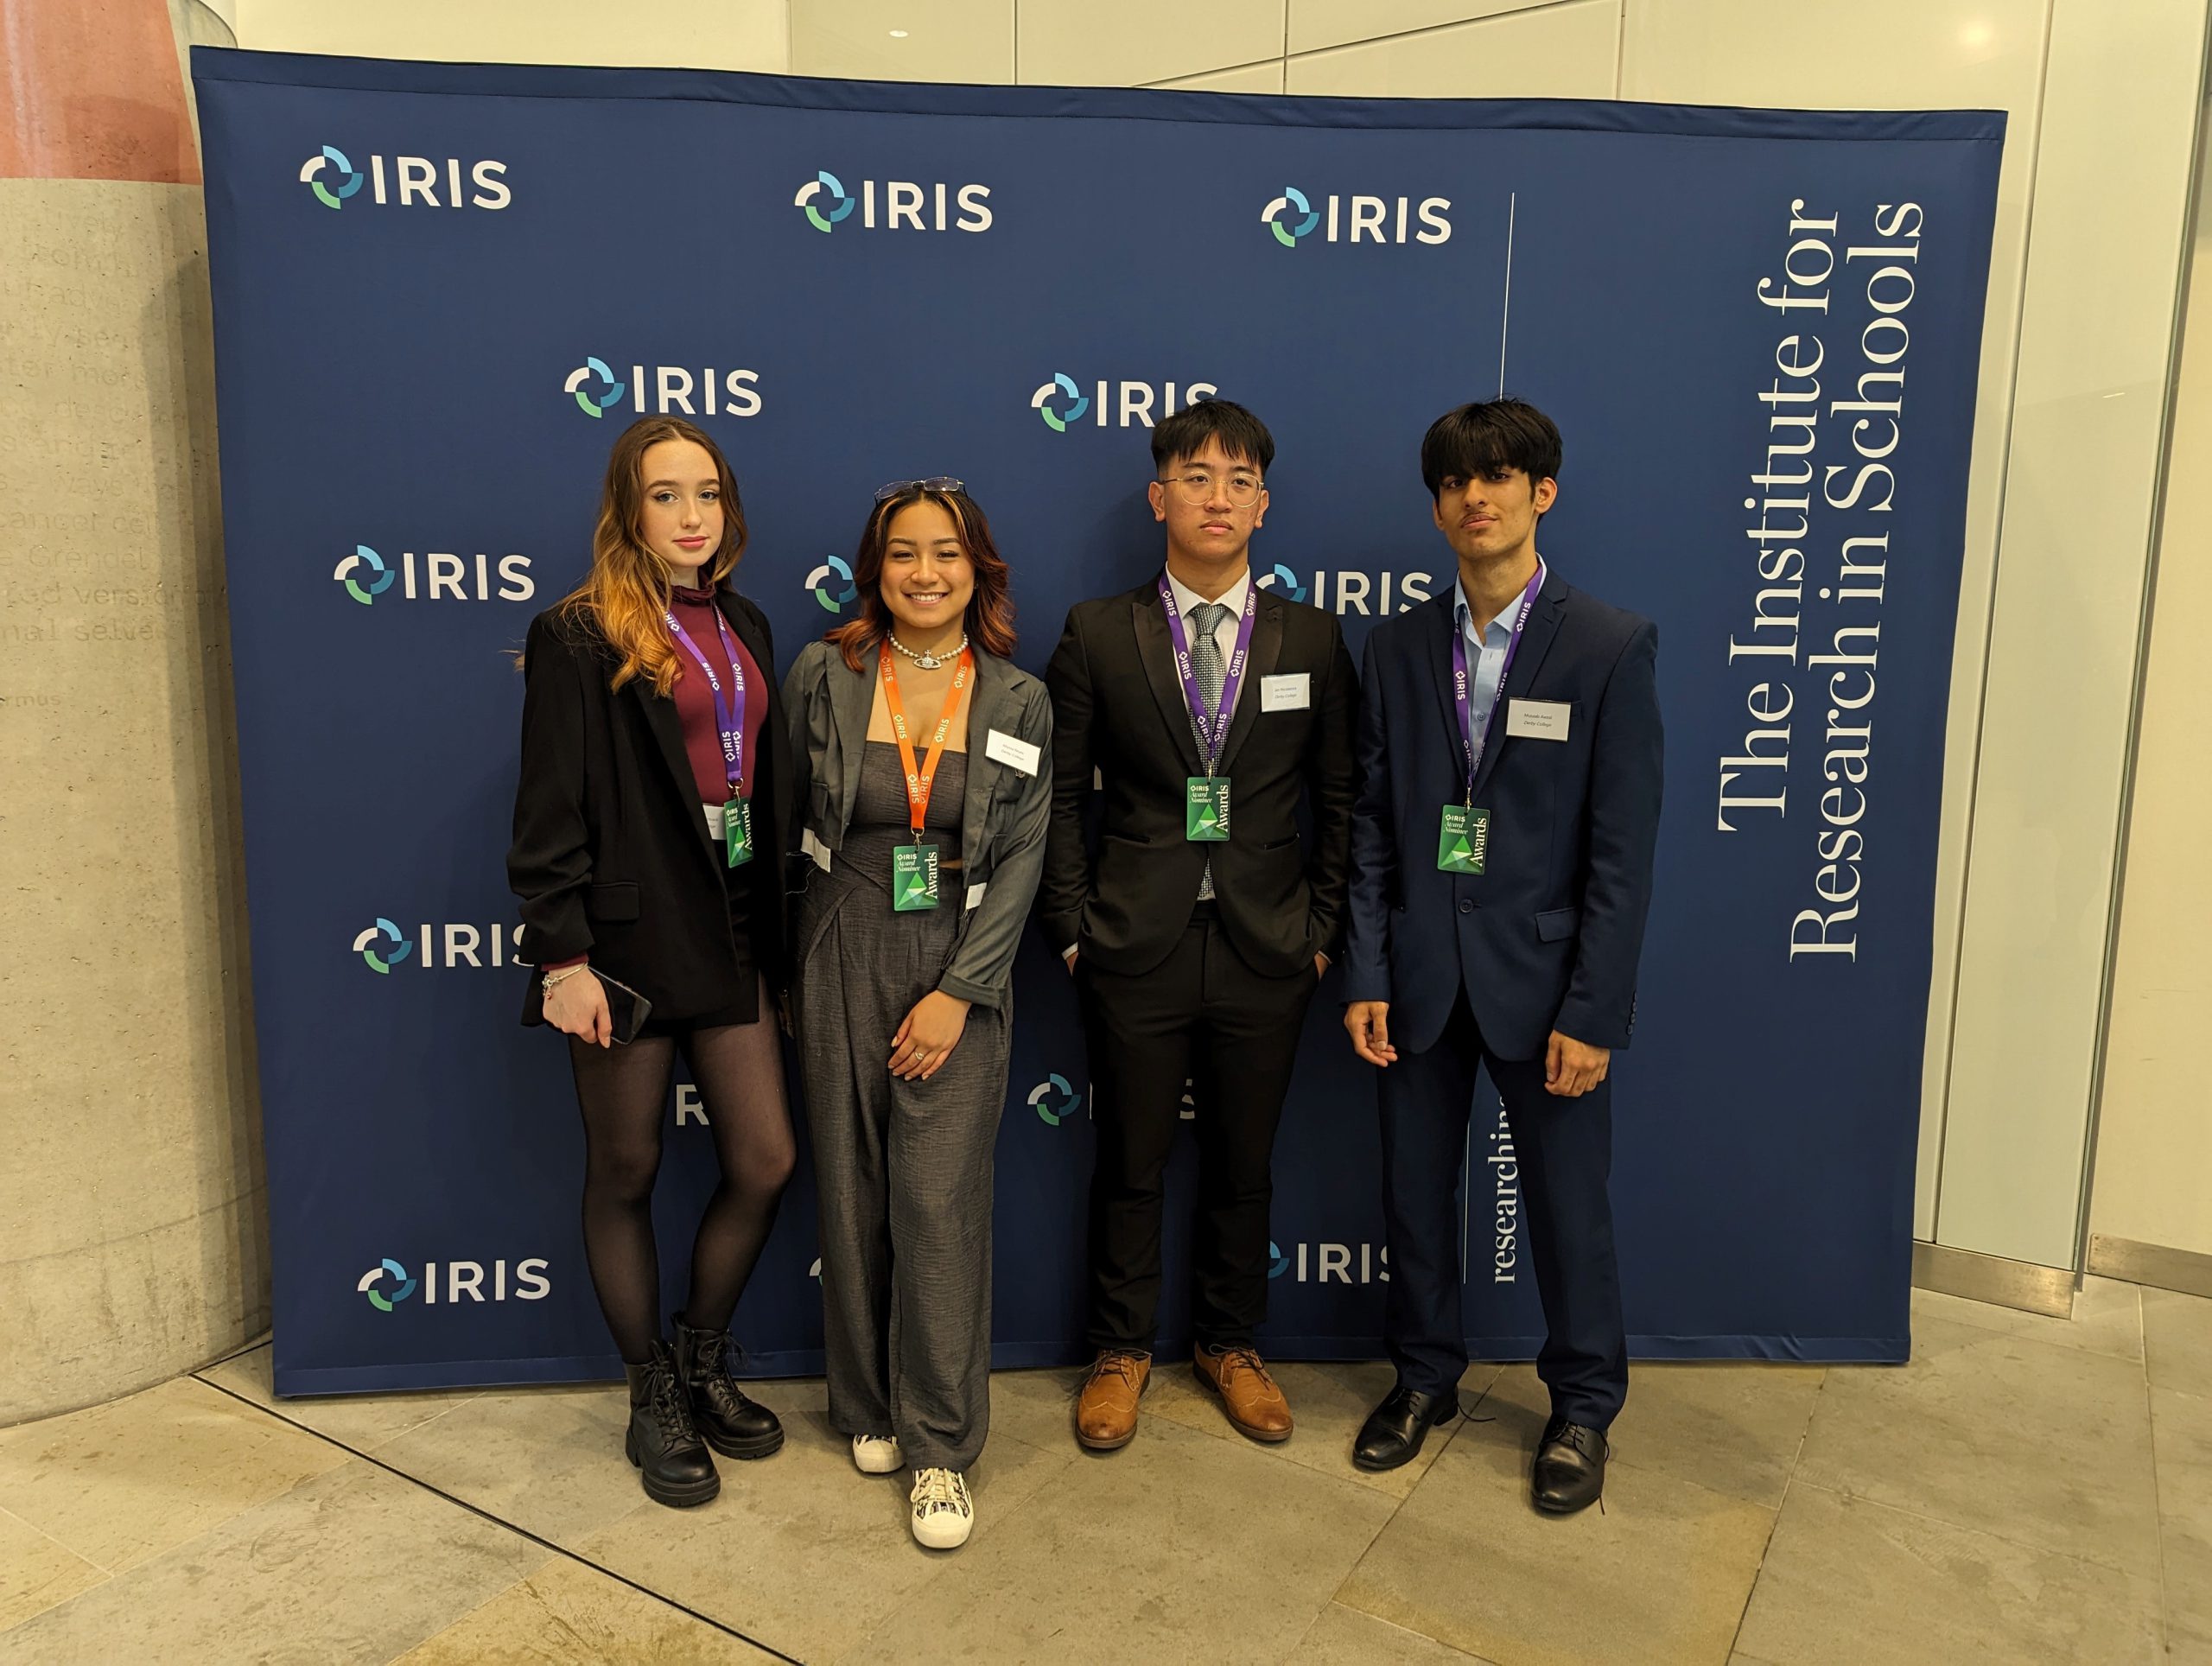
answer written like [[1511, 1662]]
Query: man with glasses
[[1208, 708]]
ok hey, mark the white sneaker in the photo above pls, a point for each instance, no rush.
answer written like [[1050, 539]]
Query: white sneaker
[[877, 1454], [943, 1513]]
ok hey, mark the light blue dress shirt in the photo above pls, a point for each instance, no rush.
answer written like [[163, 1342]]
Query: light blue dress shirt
[[1486, 653]]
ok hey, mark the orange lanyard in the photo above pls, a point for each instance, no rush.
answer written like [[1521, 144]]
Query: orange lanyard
[[920, 776]]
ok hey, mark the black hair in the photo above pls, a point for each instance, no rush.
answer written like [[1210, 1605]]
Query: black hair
[[1487, 437], [1184, 434]]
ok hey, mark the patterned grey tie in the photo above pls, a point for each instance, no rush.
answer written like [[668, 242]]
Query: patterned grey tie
[[1207, 666], [1205, 650]]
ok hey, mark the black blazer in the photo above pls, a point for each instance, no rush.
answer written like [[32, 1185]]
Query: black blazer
[[1117, 708], [611, 856]]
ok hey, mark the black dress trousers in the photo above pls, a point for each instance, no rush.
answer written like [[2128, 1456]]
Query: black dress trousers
[[1204, 1017]]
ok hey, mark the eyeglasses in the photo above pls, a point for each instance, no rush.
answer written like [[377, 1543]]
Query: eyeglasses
[[1199, 487], [935, 483]]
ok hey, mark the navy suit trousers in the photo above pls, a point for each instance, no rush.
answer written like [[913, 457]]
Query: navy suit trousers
[[1565, 1149]]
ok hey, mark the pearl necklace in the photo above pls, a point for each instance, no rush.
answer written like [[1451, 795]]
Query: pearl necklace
[[930, 662]]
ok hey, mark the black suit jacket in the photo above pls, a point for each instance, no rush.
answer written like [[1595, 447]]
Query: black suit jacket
[[611, 856], [1117, 708]]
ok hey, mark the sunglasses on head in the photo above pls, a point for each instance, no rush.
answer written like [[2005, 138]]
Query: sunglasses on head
[[935, 483]]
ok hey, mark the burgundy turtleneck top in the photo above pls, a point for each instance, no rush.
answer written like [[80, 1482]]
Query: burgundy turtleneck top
[[696, 611]]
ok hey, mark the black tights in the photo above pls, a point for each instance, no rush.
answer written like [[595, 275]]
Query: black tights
[[624, 1093]]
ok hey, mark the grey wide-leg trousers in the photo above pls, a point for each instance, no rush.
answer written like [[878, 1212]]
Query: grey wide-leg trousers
[[903, 1170]]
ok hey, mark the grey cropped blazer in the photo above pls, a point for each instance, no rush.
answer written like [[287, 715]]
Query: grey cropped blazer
[[1003, 817]]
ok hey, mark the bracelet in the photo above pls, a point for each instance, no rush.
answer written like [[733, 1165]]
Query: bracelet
[[565, 973]]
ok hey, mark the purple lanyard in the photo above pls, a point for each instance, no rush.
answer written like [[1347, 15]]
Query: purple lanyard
[[730, 722], [1212, 728], [1462, 682]]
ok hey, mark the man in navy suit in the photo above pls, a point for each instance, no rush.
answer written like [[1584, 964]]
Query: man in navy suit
[[1501, 870]]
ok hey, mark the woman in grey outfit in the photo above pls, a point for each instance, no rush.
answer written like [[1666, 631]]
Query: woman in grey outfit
[[924, 759]]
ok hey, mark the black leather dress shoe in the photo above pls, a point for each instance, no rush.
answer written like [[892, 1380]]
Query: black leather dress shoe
[[1570, 1470], [1394, 1430]]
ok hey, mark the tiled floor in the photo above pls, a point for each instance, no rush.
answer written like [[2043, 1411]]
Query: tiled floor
[[2026, 1490]]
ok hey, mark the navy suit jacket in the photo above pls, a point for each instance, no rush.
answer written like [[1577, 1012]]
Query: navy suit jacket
[[1548, 936]]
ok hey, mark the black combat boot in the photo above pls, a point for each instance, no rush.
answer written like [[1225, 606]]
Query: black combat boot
[[730, 1423], [662, 1442]]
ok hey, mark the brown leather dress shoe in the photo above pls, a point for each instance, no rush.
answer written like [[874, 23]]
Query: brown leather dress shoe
[[1249, 1395], [1106, 1415]]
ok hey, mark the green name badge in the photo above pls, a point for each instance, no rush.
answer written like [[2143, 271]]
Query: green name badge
[[1464, 841], [913, 877], [737, 831], [1206, 812]]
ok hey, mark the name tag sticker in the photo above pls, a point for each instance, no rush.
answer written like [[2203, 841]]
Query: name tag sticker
[[1539, 720], [1014, 755], [1293, 692]]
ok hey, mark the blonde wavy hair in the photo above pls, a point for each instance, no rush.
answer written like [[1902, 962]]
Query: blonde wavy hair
[[625, 595]]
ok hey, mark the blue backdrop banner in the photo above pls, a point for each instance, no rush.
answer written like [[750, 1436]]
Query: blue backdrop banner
[[440, 291]]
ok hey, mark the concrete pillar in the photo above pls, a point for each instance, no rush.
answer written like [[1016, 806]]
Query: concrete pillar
[[132, 1208]]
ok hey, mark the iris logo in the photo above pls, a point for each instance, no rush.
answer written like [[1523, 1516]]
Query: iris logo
[[403, 1288], [596, 389], [443, 575], [1346, 592], [463, 1278], [330, 156], [418, 179], [363, 556], [384, 945], [1357, 219], [1332, 1264], [906, 203], [824, 181], [832, 585], [590, 398], [1275, 219], [1063, 403], [1041, 401], [396, 944], [1054, 1100]]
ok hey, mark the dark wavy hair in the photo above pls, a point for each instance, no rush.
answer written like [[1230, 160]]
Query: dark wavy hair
[[1487, 437], [990, 610]]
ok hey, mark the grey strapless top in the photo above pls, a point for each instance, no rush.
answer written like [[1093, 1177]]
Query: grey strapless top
[[879, 816]]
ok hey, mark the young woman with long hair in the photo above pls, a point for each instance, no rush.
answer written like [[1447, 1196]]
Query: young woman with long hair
[[926, 757], [648, 850]]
